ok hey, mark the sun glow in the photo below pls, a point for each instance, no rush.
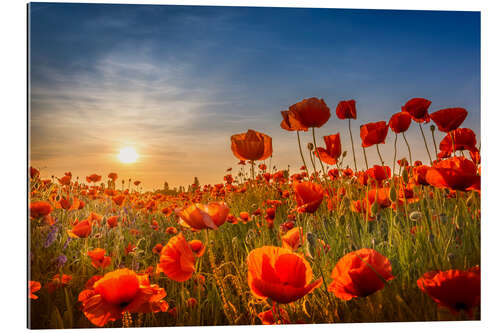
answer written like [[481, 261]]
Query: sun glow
[[128, 155]]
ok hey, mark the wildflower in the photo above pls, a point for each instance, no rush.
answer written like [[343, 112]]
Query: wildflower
[[60, 260], [112, 221], [400, 122], [33, 287], [457, 173], [418, 109], [463, 139], [293, 239], [171, 230], [40, 209], [449, 119], [359, 274], [58, 281], [290, 122], [157, 248], [197, 247], [308, 196], [93, 178], [311, 112], [373, 133], [333, 150], [113, 176], [130, 248], [177, 259], [346, 109], [251, 145], [81, 230], [454, 289], [99, 258], [191, 302], [270, 317], [279, 274], [201, 216], [118, 292], [51, 237]]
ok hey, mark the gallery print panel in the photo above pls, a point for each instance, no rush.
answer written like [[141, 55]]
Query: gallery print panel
[[211, 165]]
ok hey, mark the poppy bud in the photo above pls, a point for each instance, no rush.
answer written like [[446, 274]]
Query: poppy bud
[[310, 146], [433, 128], [392, 194], [405, 175], [311, 243], [344, 154]]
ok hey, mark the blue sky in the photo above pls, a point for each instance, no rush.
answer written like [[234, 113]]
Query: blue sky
[[176, 82]]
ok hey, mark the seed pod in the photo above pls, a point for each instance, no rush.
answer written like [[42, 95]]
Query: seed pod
[[405, 175], [311, 243], [415, 216], [310, 146], [344, 154]]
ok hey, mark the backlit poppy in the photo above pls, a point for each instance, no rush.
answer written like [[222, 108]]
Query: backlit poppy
[[271, 317], [33, 287], [359, 274], [177, 259], [200, 216], [400, 122], [333, 150], [346, 109], [290, 123], [373, 133], [112, 221], [308, 196], [449, 119], [456, 173], [40, 209], [454, 289], [198, 247], [463, 139], [113, 176], [93, 178], [99, 258], [418, 109], [378, 174], [118, 292], [279, 274], [81, 230], [251, 145], [293, 239], [310, 112]]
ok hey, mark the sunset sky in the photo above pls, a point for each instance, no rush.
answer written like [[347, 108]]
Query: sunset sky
[[175, 82]]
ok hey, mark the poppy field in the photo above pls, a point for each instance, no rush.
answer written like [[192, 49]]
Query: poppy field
[[396, 239]]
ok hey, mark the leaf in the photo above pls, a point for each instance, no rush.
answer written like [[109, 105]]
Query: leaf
[[55, 319]]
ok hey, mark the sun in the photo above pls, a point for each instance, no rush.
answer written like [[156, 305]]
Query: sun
[[128, 155]]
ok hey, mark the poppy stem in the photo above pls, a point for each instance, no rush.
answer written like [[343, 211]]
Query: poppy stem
[[352, 145], [452, 143], [395, 153], [425, 142], [253, 169], [379, 155], [366, 160], [302, 154], [408, 145], [315, 150], [435, 146]]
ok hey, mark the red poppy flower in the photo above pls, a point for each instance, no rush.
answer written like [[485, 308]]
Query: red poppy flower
[[113, 176], [137, 182], [308, 196], [454, 289], [279, 274], [34, 173], [118, 199], [346, 109], [112, 221], [157, 248], [118, 292], [449, 119], [93, 178], [40, 209], [293, 239], [400, 122], [33, 287], [171, 230], [418, 109], [311, 112], [380, 196], [99, 258], [419, 174], [359, 274], [251, 145], [81, 230], [200, 216], [456, 173], [290, 123], [271, 317], [378, 174], [463, 139], [198, 247], [373, 133], [177, 259], [333, 150]]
